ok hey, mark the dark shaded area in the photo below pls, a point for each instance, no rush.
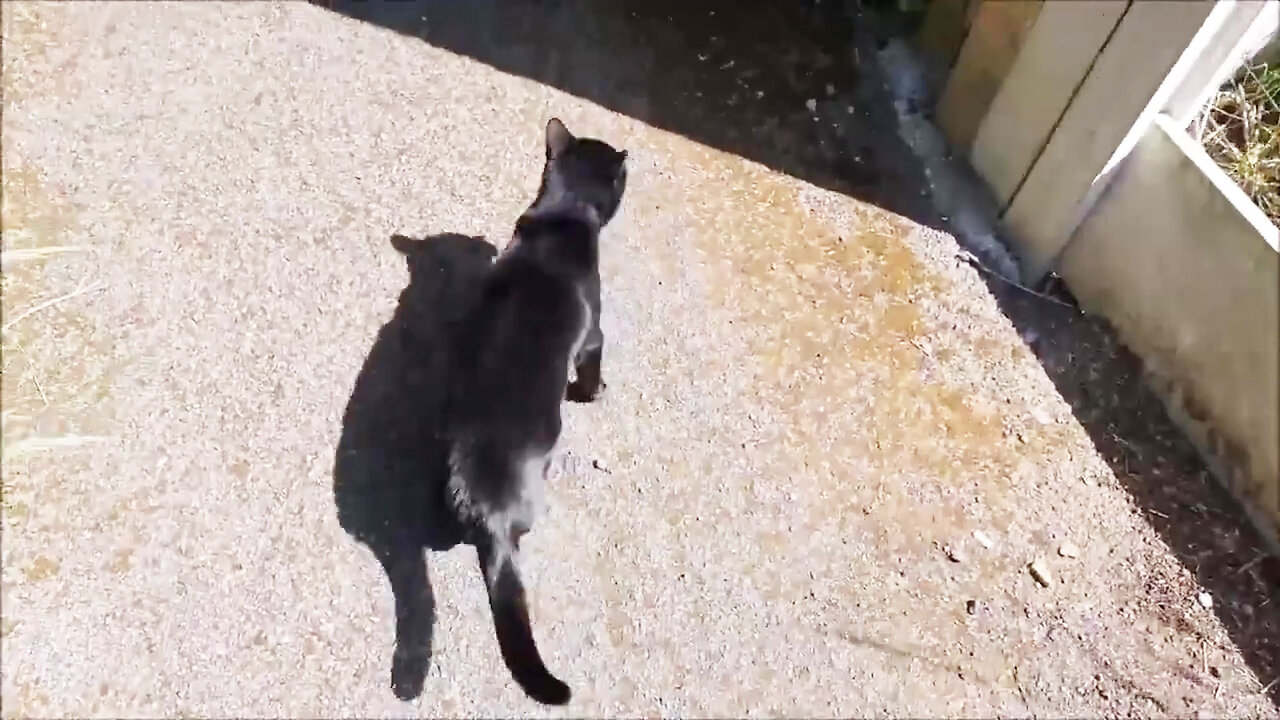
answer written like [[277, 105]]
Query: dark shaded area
[[714, 71], [1155, 462], [741, 80], [391, 467]]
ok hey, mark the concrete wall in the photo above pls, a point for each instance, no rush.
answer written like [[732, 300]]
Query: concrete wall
[[1074, 112], [1057, 55], [945, 27], [1117, 96], [1047, 98], [1187, 270], [996, 35]]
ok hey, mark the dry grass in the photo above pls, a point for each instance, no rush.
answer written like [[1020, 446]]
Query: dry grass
[[1240, 129], [40, 388], [28, 389]]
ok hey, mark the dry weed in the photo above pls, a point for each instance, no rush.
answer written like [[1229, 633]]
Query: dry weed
[[1240, 129]]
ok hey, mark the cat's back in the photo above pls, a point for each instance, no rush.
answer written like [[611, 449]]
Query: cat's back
[[527, 297], [513, 347]]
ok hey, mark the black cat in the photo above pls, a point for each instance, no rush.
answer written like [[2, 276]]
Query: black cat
[[537, 316]]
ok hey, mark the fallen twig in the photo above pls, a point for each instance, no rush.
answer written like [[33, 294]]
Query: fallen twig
[[1257, 559], [978, 264], [35, 375], [34, 444], [11, 256], [51, 302]]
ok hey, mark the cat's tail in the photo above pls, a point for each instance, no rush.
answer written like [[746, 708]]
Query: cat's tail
[[511, 620]]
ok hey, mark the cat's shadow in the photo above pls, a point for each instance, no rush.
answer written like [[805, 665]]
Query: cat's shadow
[[391, 467]]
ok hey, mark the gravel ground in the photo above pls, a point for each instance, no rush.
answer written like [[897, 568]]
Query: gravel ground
[[826, 457]]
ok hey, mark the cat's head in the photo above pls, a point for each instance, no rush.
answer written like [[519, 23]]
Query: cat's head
[[582, 170]]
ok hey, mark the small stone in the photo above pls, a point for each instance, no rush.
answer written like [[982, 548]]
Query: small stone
[[983, 539], [1205, 600], [1040, 573], [971, 607], [831, 89], [1069, 550], [812, 104], [953, 554]]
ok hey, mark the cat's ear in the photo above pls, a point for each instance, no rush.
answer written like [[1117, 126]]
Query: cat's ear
[[620, 172], [403, 245], [558, 138]]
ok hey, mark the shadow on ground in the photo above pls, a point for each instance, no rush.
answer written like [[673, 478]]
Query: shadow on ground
[[391, 467], [780, 85], [1153, 460], [707, 70]]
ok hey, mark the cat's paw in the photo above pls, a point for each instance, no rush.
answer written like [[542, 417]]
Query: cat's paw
[[580, 393], [408, 673]]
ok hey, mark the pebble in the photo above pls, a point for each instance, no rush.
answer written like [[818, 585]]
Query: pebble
[[971, 607], [953, 554], [811, 104], [1041, 415], [983, 539], [1041, 573], [1069, 550], [1205, 600]]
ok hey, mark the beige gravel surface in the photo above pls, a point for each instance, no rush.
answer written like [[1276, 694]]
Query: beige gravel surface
[[816, 422]]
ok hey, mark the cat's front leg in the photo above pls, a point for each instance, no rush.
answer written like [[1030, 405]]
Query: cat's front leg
[[588, 385]]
